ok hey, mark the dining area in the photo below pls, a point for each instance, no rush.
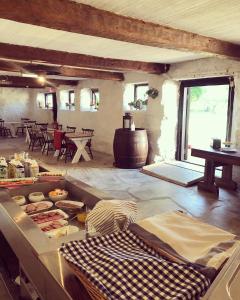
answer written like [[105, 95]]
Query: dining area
[[61, 142]]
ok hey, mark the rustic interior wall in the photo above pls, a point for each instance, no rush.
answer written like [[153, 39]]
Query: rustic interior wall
[[36, 113], [105, 120], [14, 103]]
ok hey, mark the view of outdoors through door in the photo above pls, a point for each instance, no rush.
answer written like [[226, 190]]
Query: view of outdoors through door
[[206, 117]]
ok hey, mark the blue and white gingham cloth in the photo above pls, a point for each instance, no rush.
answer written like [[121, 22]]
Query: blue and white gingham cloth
[[122, 266]]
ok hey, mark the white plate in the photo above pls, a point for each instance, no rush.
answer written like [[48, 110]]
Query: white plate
[[62, 213], [49, 205], [63, 231], [77, 204]]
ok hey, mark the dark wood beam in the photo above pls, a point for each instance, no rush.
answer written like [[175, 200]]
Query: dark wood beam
[[80, 18], [25, 82], [60, 71], [17, 52]]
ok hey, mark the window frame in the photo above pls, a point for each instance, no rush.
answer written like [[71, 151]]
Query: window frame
[[93, 102], [45, 100], [136, 86], [182, 109]]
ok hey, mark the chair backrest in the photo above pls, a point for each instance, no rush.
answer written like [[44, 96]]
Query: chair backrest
[[42, 125], [1, 123], [71, 129], [90, 132], [31, 132], [31, 123]]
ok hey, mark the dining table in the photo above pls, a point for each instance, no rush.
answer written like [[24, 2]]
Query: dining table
[[80, 139], [225, 158]]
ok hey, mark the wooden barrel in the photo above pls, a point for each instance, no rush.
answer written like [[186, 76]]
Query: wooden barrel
[[130, 148]]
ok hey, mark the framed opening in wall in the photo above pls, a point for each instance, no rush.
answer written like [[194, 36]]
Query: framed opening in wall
[[205, 112], [48, 100]]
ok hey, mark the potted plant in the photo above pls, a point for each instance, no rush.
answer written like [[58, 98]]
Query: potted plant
[[152, 92]]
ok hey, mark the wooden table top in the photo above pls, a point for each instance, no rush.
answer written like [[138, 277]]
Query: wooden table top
[[78, 135], [219, 156]]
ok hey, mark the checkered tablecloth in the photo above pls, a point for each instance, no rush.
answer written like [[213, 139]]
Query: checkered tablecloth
[[122, 266]]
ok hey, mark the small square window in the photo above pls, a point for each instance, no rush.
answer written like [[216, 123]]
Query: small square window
[[48, 101], [140, 91], [95, 97]]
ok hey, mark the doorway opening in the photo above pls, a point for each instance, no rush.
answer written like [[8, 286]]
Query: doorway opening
[[205, 112]]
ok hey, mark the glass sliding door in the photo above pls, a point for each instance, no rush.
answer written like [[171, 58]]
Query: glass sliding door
[[205, 112]]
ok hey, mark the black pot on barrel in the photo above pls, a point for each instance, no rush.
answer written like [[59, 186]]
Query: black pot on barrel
[[130, 148]]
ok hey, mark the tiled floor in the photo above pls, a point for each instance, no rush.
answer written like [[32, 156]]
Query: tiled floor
[[152, 195]]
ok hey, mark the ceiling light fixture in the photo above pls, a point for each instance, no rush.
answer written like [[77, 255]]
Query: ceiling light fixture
[[41, 79]]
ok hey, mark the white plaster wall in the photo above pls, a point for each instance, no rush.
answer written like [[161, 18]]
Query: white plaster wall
[[36, 113], [17, 103], [14, 103], [105, 120]]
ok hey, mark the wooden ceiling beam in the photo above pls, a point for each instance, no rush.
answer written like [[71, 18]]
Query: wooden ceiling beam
[[80, 18], [26, 53], [11, 66], [25, 82]]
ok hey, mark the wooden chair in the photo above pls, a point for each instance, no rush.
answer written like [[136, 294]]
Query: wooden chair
[[41, 125], [35, 139], [21, 128], [47, 141], [68, 149], [71, 129], [5, 131], [1, 126], [31, 124], [89, 142]]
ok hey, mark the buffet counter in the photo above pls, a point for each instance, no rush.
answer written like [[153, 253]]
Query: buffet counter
[[39, 261]]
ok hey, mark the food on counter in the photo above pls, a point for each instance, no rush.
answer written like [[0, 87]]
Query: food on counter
[[36, 197], [58, 194], [42, 174], [81, 217], [20, 199], [53, 215], [35, 207], [69, 204], [50, 176], [12, 182], [52, 225], [3, 168], [18, 167]]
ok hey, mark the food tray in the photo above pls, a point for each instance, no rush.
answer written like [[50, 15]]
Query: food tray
[[62, 222], [38, 206], [14, 182], [58, 211]]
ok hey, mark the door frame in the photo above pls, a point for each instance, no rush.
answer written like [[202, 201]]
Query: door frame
[[183, 108]]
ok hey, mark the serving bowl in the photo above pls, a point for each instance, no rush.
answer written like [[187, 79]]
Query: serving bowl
[[57, 195], [19, 199], [71, 207], [36, 197]]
